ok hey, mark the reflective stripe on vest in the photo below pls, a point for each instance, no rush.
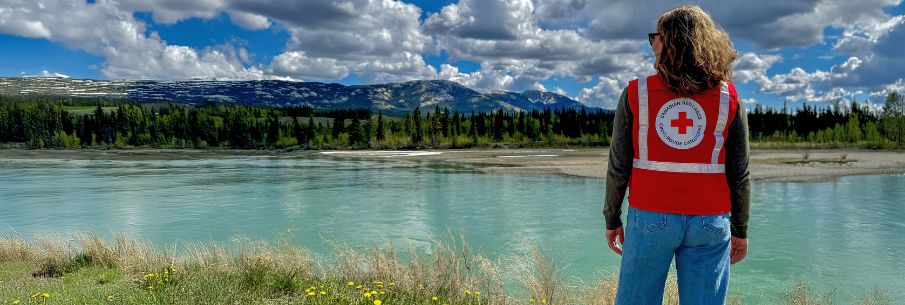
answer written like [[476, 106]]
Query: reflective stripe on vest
[[720, 122], [703, 168], [642, 118]]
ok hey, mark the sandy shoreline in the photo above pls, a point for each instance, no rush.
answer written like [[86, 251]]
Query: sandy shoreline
[[766, 164]]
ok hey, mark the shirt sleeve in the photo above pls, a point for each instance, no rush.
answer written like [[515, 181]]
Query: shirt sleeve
[[737, 174], [620, 164]]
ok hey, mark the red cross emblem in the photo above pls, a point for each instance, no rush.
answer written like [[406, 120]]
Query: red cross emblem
[[682, 123]]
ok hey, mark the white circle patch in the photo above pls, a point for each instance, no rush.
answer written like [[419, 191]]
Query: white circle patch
[[681, 122]]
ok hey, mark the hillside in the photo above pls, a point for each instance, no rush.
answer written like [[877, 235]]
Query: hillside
[[394, 98]]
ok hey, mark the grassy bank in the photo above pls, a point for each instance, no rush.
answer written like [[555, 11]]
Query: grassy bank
[[88, 269]]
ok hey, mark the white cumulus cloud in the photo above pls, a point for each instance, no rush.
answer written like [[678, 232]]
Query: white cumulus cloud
[[104, 28], [518, 44]]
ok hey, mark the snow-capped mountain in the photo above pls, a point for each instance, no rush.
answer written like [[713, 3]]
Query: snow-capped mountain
[[394, 98]]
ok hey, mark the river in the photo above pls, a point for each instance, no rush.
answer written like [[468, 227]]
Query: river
[[846, 234]]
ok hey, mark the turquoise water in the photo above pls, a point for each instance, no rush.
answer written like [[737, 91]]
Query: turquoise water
[[845, 235]]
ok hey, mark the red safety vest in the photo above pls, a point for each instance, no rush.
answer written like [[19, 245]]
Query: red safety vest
[[679, 165]]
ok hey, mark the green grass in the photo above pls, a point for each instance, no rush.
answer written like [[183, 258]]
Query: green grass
[[130, 271]]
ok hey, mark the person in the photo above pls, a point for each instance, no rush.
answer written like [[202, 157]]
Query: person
[[680, 148]]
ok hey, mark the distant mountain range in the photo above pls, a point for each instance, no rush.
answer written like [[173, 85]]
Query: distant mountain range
[[394, 98]]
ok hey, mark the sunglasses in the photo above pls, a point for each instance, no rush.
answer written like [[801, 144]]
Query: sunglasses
[[650, 37]]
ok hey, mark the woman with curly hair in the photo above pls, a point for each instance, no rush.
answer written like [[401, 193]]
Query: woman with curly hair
[[680, 147]]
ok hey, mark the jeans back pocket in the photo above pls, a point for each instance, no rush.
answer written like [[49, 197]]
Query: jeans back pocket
[[647, 221], [718, 224]]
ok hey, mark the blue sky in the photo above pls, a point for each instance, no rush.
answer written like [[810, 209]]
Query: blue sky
[[793, 52]]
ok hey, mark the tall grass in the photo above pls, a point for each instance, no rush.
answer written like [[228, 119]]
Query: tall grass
[[88, 269]]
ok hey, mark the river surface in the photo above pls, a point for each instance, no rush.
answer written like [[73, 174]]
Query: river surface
[[847, 235]]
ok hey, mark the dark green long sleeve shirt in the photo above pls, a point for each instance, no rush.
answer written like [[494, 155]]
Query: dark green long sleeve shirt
[[622, 153]]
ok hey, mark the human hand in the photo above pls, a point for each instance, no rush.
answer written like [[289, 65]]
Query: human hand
[[738, 250], [612, 235]]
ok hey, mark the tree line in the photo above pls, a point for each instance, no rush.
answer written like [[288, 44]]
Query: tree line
[[50, 122], [47, 122], [852, 125]]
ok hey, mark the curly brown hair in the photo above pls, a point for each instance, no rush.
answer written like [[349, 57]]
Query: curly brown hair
[[697, 53]]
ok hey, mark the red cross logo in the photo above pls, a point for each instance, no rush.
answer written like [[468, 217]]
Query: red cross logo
[[682, 123]]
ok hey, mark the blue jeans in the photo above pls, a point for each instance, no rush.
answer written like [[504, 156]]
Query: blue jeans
[[700, 244]]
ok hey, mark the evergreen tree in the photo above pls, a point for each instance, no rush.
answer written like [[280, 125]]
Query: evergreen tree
[[297, 131], [532, 128], [444, 122], [498, 126], [5, 130], [339, 125], [407, 124], [416, 127], [309, 130], [370, 132], [521, 125], [436, 130], [273, 129], [456, 124], [356, 136], [380, 127]]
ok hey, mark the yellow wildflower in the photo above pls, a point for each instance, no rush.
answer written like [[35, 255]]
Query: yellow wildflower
[[351, 284], [477, 293], [377, 302], [531, 300], [310, 293], [373, 291], [382, 292], [45, 295], [16, 302], [358, 287], [378, 283], [323, 292], [109, 298], [35, 295], [392, 283], [467, 291], [434, 299], [543, 301], [149, 275], [367, 294]]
